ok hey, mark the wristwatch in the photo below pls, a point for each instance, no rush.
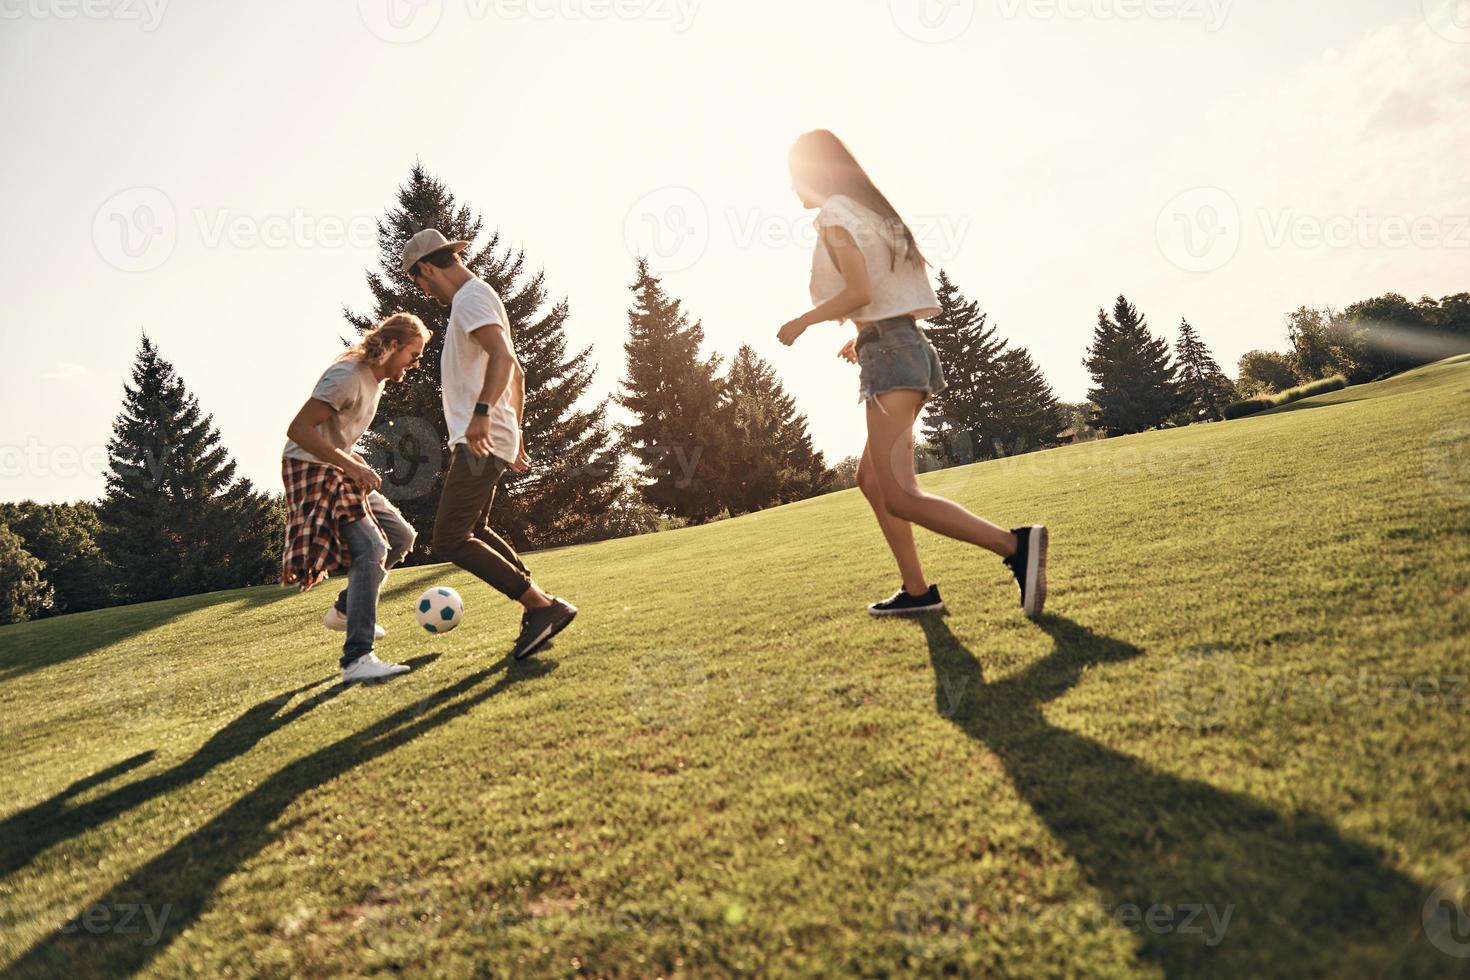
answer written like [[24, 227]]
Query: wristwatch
[[481, 408]]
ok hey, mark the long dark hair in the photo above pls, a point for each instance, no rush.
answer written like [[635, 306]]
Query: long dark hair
[[821, 161]]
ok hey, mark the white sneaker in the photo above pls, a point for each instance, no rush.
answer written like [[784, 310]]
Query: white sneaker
[[335, 620], [370, 668]]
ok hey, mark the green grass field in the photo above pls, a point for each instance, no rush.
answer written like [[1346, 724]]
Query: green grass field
[[1239, 745]]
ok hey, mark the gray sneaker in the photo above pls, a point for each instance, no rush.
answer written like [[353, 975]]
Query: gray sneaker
[[540, 625]]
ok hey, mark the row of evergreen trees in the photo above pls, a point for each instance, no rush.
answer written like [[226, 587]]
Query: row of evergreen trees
[[1139, 385], [698, 442]]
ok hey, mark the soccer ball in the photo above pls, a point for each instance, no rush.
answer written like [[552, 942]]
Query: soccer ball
[[440, 609]]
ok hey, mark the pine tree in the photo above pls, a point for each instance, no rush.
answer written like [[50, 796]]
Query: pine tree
[[1135, 381], [1027, 411], [573, 478], [768, 457], [995, 401], [674, 395], [175, 521], [1202, 385], [960, 425]]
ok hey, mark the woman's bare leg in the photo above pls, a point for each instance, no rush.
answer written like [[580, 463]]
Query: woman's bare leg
[[891, 419], [898, 532]]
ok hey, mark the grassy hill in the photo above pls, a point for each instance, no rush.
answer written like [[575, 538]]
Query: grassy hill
[[1240, 746]]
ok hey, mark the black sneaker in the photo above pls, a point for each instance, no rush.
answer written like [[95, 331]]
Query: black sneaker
[[902, 604], [1028, 564], [540, 625]]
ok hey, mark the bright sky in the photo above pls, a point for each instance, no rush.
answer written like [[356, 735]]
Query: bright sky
[[209, 173]]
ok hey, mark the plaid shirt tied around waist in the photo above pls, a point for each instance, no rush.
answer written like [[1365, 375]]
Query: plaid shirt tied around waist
[[320, 500]]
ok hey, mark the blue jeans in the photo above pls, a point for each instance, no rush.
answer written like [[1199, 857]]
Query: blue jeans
[[364, 579], [401, 537], [371, 558]]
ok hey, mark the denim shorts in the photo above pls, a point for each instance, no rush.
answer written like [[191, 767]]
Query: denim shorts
[[901, 358]]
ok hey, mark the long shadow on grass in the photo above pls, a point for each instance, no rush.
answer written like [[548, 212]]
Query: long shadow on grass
[[177, 885], [28, 833], [1303, 900]]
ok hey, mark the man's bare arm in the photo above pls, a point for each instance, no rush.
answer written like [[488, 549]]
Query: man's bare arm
[[499, 373]]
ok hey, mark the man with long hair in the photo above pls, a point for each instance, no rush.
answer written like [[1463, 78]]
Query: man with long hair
[[336, 516]]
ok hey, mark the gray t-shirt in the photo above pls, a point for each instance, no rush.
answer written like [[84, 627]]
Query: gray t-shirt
[[349, 387]]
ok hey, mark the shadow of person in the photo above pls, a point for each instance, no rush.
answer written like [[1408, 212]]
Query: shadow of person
[[175, 886], [1233, 887], [30, 832]]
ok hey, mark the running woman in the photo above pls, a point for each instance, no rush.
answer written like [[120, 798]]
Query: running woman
[[484, 393], [868, 269], [336, 515]]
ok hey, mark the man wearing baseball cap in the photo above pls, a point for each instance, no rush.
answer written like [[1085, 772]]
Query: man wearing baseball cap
[[484, 397]]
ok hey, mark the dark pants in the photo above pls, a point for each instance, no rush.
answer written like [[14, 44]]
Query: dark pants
[[462, 526]]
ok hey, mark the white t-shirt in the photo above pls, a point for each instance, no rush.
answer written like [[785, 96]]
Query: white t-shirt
[[899, 287], [462, 366], [349, 387]]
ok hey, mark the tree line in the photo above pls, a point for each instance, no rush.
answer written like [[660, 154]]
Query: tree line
[[703, 439]]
